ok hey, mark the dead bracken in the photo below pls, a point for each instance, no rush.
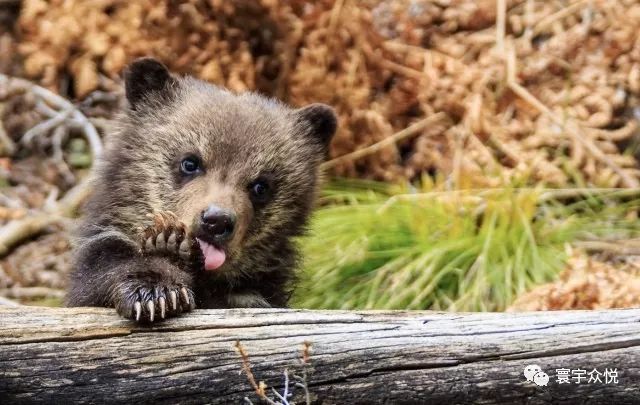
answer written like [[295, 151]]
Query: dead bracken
[[540, 90], [586, 283]]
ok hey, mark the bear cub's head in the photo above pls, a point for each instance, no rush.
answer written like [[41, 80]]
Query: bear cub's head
[[240, 170]]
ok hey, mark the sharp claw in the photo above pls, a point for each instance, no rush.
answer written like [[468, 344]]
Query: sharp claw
[[171, 242], [137, 307], [185, 249], [160, 243], [151, 309], [173, 297], [165, 219], [163, 306], [185, 295], [158, 221], [149, 245]]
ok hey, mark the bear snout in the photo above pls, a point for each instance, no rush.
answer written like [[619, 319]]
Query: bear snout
[[216, 225]]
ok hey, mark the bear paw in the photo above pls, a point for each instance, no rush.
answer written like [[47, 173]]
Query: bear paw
[[145, 303], [168, 236]]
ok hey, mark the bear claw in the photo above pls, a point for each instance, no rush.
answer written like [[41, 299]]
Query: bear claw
[[173, 297], [150, 304], [168, 236]]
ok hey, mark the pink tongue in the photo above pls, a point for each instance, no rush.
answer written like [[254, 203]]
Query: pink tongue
[[213, 257]]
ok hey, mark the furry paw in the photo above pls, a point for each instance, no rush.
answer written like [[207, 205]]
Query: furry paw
[[168, 236], [148, 303]]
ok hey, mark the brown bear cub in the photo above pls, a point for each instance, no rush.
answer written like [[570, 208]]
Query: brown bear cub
[[197, 199]]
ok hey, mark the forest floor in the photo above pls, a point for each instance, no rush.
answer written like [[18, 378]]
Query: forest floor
[[35, 173]]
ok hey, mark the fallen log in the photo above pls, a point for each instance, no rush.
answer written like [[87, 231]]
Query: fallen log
[[89, 355]]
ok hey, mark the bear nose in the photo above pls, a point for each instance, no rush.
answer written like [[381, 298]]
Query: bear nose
[[219, 223]]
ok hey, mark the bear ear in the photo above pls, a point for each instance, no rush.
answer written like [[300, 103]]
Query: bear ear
[[143, 77], [320, 120]]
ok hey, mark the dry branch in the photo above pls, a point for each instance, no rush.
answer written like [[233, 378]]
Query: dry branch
[[411, 130], [62, 115], [83, 355]]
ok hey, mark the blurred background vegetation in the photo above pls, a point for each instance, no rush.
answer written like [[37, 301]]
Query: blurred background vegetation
[[486, 158]]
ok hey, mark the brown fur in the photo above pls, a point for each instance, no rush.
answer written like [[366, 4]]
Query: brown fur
[[238, 138]]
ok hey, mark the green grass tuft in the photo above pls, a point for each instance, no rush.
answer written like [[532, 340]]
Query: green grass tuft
[[374, 246]]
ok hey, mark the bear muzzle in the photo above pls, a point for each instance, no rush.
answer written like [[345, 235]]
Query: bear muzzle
[[214, 229]]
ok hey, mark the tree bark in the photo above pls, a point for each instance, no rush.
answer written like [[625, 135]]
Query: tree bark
[[89, 355]]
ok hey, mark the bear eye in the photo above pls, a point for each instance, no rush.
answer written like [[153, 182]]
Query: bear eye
[[260, 191], [190, 165]]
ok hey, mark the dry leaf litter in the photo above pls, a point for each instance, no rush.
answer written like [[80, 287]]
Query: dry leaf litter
[[385, 65], [546, 92]]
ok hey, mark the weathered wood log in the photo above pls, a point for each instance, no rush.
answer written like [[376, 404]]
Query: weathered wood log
[[88, 355]]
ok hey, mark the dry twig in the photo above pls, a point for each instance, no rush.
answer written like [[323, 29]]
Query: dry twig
[[260, 388], [65, 114], [395, 138]]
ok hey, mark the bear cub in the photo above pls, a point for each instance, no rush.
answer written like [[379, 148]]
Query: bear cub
[[197, 199]]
